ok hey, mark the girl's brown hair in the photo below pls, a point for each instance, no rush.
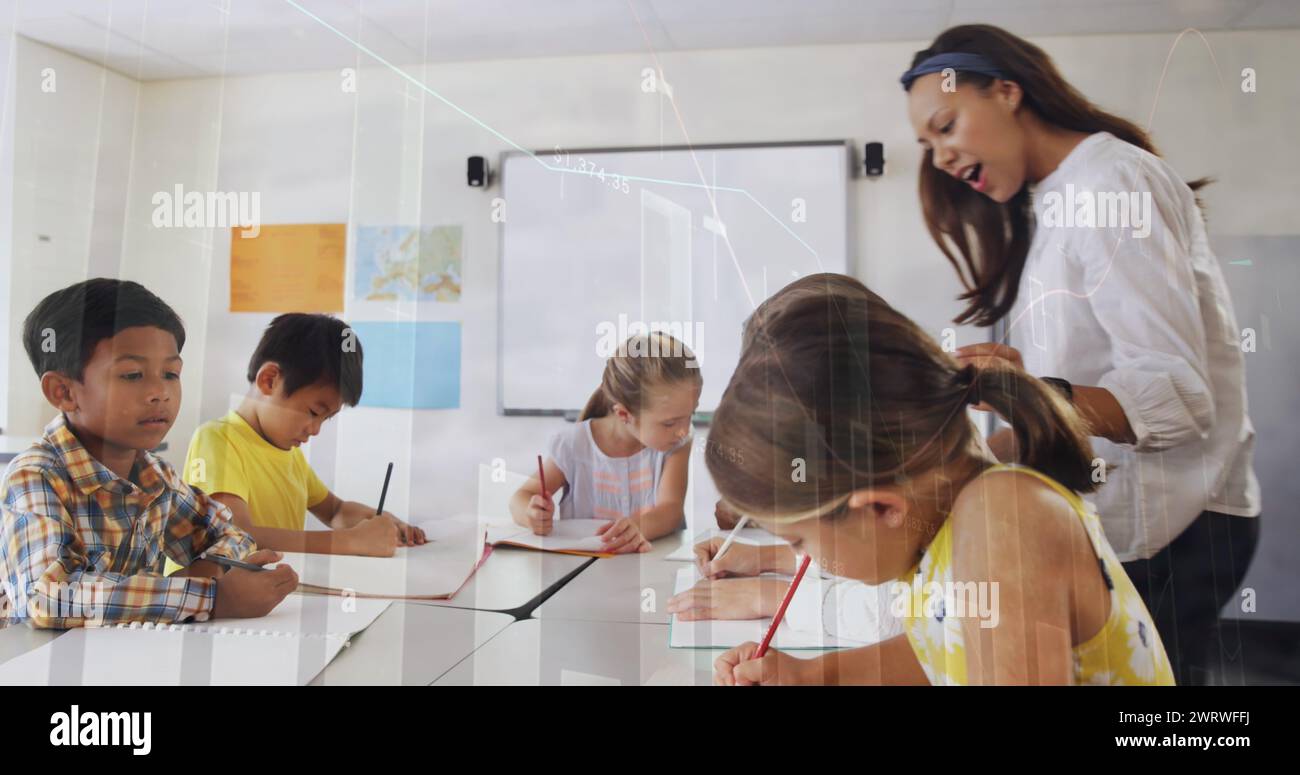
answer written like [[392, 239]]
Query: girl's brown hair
[[993, 238], [645, 362], [833, 376]]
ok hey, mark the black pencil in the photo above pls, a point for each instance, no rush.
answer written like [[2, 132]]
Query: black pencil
[[383, 495]]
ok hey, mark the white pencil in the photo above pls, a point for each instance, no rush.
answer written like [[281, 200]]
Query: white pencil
[[735, 531]]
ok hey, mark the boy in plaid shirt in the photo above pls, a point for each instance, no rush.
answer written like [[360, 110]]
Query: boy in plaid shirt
[[87, 514]]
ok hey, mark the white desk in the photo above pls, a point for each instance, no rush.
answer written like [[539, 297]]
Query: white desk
[[510, 578], [627, 588], [411, 645], [555, 652]]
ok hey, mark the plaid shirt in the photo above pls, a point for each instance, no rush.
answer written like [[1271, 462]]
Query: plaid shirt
[[81, 546]]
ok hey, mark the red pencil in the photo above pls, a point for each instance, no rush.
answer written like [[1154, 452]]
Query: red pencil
[[780, 612], [541, 477]]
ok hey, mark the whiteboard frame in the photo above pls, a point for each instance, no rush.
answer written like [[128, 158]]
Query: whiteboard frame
[[700, 419]]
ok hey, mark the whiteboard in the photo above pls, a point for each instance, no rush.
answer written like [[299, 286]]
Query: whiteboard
[[597, 244]]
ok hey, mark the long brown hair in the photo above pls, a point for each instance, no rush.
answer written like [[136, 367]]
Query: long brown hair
[[644, 363], [833, 376], [993, 238]]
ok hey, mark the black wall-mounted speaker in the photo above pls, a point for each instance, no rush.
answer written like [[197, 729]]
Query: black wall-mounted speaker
[[873, 160]]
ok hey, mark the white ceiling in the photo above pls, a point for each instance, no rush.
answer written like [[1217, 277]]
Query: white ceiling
[[162, 39]]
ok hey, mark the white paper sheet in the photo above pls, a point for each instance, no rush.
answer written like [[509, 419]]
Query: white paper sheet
[[719, 634], [435, 570], [300, 614]]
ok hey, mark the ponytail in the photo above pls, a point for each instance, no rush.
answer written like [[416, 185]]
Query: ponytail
[[833, 376], [597, 406], [1050, 435]]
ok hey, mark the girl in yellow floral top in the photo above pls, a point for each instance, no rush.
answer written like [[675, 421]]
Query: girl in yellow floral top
[[845, 431]]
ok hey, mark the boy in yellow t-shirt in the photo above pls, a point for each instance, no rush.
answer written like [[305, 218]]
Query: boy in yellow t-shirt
[[305, 368]]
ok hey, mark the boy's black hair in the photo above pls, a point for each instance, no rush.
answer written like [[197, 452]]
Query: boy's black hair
[[311, 349], [60, 334]]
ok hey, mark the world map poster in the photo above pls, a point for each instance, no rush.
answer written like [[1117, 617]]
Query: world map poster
[[408, 263]]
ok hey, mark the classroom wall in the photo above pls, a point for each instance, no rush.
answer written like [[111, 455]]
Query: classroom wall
[[7, 53], [72, 157], [392, 153], [176, 142]]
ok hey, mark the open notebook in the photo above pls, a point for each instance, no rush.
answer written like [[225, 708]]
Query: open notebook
[[568, 536], [289, 646], [719, 634], [433, 571]]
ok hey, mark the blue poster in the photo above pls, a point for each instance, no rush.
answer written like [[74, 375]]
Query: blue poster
[[410, 365]]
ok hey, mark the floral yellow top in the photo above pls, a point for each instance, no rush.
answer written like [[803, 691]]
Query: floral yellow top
[[1125, 651]]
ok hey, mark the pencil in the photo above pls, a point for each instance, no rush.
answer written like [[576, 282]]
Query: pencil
[[735, 531], [226, 562], [780, 612], [383, 495], [541, 477]]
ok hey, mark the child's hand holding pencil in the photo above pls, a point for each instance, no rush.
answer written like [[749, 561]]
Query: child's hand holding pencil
[[738, 560], [754, 663], [541, 509], [740, 667], [541, 514]]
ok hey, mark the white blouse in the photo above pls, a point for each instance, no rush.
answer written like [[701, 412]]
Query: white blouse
[[1132, 299], [598, 486]]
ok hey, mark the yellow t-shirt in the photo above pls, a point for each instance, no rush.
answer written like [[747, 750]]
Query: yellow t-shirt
[[1125, 651], [227, 455]]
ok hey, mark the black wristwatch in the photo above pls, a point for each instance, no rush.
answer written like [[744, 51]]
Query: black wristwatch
[[1062, 385]]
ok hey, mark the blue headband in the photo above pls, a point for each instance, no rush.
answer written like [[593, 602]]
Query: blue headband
[[968, 63]]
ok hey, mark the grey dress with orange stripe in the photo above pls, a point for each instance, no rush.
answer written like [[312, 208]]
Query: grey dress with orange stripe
[[600, 486]]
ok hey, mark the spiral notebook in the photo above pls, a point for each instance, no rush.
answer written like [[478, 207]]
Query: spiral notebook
[[289, 646]]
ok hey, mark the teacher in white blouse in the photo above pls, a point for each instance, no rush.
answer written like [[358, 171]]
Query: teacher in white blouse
[[1063, 222]]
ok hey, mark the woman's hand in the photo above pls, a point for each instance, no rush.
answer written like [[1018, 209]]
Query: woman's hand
[[986, 355]]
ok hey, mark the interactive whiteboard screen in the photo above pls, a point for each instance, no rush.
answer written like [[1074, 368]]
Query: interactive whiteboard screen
[[596, 245]]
